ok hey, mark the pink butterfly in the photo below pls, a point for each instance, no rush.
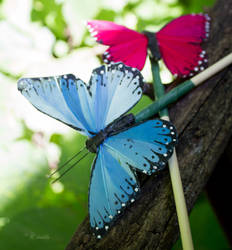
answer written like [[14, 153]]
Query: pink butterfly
[[177, 43]]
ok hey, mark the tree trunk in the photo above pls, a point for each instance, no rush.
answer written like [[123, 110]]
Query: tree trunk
[[203, 119]]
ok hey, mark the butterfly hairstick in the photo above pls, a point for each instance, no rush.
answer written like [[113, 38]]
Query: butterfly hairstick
[[97, 110], [178, 44]]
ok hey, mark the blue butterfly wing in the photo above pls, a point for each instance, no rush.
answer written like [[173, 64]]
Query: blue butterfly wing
[[64, 98], [145, 147], [87, 108], [112, 188], [79, 100], [117, 88]]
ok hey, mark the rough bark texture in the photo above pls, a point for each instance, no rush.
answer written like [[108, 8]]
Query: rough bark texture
[[204, 121]]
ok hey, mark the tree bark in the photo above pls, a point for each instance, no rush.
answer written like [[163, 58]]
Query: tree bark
[[203, 119]]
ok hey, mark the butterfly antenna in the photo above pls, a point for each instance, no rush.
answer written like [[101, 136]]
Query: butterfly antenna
[[107, 67], [73, 165], [64, 164]]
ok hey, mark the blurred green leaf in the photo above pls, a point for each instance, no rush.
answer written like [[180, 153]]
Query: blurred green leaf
[[27, 133], [78, 178], [8, 74], [42, 215], [57, 139], [195, 6], [49, 14], [130, 6], [26, 184], [106, 14], [44, 228], [206, 231]]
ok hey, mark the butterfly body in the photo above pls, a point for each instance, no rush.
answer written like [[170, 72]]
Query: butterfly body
[[153, 45], [97, 110], [115, 127]]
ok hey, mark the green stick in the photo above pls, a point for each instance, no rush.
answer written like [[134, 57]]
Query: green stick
[[182, 89], [164, 101], [177, 187]]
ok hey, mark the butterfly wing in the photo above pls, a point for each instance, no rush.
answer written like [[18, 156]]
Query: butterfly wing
[[179, 43], [117, 88], [64, 98], [112, 188], [145, 147], [125, 45], [111, 92]]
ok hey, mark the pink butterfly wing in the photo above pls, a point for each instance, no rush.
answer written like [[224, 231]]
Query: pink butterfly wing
[[179, 43], [125, 45]]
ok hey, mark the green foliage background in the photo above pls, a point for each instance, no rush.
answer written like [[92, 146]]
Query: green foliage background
[[33, 213]]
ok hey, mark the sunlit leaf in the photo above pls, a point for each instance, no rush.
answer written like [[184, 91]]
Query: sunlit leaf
[[57, 139], [49, 14], [106, 14], [27, 133]]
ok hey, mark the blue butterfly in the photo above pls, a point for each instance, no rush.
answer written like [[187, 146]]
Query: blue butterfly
[[97, 110]]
